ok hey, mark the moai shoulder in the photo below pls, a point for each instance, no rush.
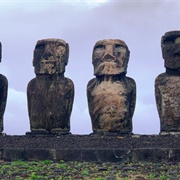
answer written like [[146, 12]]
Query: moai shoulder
[[167, 85], [111, 95], [50, 95], [3, 94]]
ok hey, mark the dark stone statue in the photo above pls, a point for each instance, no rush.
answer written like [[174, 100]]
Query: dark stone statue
[[167, 85], [111, 95], [50, 95], [3, 94]]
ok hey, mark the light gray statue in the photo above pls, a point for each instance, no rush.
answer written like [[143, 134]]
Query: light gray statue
[[167, 85], [111, 95]]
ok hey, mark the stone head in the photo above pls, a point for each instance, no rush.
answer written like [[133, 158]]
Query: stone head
[[50, 56], [110, 57], [170, 44], [0, 51]]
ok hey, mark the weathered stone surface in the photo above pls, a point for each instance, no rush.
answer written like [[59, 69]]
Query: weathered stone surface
[[92, 155], [170, 44], [150, 155], [167, 85], [14, 154], [111, 95], [50, 95], [146, 148], [40, 154], [3, 94]]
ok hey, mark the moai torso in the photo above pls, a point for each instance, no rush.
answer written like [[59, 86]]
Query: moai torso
[[3, 95], [167, 85], [50, 103], [50, 94], [111, 95]]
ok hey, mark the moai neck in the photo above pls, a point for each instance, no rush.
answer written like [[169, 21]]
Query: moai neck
[[46, 77], [172, 72], [119, 77]]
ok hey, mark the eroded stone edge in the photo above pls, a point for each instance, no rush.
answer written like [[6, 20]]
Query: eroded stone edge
[[92, 155]]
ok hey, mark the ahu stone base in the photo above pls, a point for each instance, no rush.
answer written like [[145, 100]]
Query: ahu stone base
[[92, 148]]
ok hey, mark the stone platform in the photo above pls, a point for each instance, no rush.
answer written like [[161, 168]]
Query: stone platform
[[97, 148]]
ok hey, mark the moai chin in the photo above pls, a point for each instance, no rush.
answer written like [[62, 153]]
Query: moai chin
[[3, 94], [50, 95], [167, 85], [111, 95]]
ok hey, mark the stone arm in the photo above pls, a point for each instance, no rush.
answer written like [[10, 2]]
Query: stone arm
[[3, 98], [90, 86], [30, 88], [3, 94], [70, 97], [158, 95], [132, 84]]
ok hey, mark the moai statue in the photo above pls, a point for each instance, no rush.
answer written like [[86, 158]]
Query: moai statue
[[50, 95], [3, 95], [167, 85], [111, 95]]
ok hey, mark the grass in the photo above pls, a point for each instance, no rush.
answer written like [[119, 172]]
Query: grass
[[42, 170]]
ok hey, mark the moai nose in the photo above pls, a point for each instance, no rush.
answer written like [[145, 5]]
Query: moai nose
[[108, 55], [177, 40], [177, 49], [47, 53]]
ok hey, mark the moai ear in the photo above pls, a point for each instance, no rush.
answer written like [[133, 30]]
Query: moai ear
[[165, 41], [127, 53], [0, 51], [34, 59], [67, 53]]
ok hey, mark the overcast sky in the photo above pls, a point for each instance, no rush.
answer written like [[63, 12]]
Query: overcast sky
[[81, 23]]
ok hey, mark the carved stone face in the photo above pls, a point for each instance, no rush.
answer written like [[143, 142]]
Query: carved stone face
[[0, 51], [50, 56], [170, 44], [110, 57]]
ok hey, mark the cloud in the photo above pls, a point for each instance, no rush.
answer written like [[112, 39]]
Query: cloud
[[80, 121], [146, 120], [27, 5], [89, 4], [16, 117], [4, 70], [16, 97]]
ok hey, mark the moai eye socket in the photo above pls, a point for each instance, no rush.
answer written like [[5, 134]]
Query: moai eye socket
[[99, 48], [169, 41], [118, 48], [60, 50], [40, 46]]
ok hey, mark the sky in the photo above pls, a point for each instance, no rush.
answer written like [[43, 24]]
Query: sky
[[81, 23]]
